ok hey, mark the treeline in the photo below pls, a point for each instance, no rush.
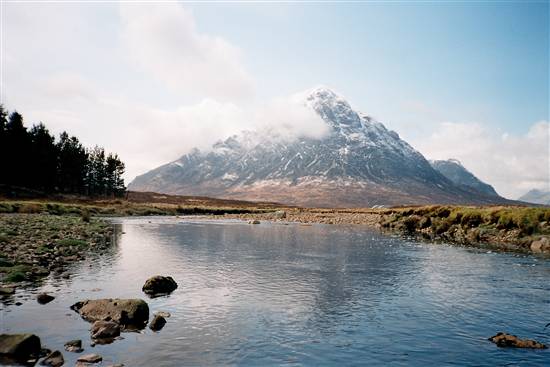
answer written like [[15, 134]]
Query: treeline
[[34, 159]]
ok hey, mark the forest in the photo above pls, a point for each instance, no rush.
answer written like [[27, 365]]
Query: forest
[[33, 158]]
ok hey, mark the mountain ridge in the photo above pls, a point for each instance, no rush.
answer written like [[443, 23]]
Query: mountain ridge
[[359, 163]]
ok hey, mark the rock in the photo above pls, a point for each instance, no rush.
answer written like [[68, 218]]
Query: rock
[[541, 245], [126, 312], [90, 358], [507, 340], [159, 285], [255, 221], [157, 323], [6, 291], [280, 214], [54, 359], [105, 330], [74, 346], [44, 298], [163, 314], [21, 347]]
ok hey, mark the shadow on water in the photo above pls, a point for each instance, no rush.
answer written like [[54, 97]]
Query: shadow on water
[[273, 294]]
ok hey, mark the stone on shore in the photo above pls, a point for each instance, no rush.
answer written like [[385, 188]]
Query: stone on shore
[[74, 346], [44, 298], [125, 312], [90, 358], [157, 323], [159, 285], [6, 291], [54, 359], [541, 245], [255, 221], [20, 346], [507, 340], [105, 330]]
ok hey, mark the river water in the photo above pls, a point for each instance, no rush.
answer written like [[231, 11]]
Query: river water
[[275, 294]]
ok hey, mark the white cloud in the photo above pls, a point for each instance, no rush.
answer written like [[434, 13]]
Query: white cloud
[[163, 39], [512, 163]]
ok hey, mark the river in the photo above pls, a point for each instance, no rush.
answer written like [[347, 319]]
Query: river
[[276, 294]]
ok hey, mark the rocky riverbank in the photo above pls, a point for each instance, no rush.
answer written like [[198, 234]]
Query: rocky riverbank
[[34, 245], [507, 228]]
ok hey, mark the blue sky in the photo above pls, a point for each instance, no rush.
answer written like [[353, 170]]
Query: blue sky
[[475, 62], [445, 75]]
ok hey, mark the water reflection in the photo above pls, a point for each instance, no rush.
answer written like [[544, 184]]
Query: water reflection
[[274, 294]]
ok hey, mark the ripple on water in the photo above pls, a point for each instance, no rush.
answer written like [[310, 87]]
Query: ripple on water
[[295, 295]]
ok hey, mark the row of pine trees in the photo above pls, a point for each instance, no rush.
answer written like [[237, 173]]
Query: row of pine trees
[[34, 159]]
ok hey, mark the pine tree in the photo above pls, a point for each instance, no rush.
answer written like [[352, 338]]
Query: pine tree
[[17, 155], [44, 158]]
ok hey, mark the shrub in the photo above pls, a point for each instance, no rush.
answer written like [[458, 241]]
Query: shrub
[[30, 208], [471, 219], [85, 215]]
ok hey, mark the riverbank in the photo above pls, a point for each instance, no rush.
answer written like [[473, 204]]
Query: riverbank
[[506, 228], [38, 237], [34, 245]]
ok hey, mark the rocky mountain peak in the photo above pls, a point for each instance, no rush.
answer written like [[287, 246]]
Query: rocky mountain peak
[[359, 163]]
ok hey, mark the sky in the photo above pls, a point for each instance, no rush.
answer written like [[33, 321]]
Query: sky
[[151, 81]]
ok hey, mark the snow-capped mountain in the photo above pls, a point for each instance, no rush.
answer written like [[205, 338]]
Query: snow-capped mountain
[[358, 163], [458, 174]]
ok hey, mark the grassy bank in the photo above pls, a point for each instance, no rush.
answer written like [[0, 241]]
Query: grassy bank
[[511, 228], [33, 245], [41, 236], [117, 208]]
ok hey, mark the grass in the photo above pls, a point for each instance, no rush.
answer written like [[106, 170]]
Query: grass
[[472, 224], [15, 273], [118, 208]]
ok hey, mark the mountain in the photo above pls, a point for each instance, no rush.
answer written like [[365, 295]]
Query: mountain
[[458, 174], [536, 197], [359, 163]]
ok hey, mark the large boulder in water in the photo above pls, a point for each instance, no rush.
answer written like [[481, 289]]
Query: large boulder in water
[[19, 347], [159, 285], [125, 312], [507, 340]]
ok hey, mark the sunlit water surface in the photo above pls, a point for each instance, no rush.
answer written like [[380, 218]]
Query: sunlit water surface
[[274, 294]]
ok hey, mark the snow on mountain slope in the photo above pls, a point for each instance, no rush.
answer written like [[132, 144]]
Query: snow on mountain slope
[[457, 173], [358, 163]]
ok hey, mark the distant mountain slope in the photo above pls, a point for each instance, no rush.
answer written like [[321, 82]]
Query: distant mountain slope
[[457, 173], [536, 197], [359, 163]]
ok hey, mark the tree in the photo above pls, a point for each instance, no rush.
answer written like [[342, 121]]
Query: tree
[[44, 155], [73, 165], [17, 155], [114, 171], [97, 174], [33, 159]]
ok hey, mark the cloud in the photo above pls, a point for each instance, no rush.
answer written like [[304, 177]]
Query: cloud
[[512, 163], [163, 39]]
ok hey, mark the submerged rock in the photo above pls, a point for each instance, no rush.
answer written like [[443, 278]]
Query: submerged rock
[[159, 285], [106, 330], [54, 359], [126, 312], [44, 298], [157, 323], [21, 347], [507, 340], [74, 346], [90, 358]]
